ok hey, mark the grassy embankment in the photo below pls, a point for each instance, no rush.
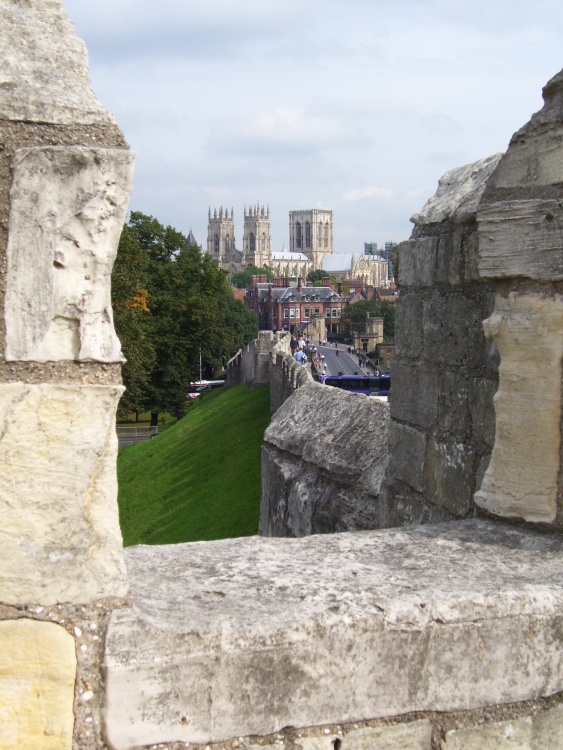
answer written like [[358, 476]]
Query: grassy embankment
[[200, 479]]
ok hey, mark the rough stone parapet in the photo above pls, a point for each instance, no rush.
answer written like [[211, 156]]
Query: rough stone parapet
[[520, 217], [480, 284], [443, 363], [323, 461], [326, 629], [45, 75], [65, 178]]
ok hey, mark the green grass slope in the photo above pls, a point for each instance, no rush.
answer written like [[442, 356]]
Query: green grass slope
[[200, 479]]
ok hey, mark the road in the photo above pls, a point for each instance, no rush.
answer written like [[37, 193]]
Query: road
[[343, 363]]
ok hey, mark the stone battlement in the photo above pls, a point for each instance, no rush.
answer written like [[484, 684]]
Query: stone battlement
[[443, 635]]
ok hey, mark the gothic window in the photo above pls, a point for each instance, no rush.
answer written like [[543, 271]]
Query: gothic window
[[298, 240], [307, 235], [227, 242], [264, 242], [216, 244], [252, 240], [326, 235]]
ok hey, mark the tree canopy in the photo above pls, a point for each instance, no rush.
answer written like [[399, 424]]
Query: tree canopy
[[354, 316], [317, 276], [242, 279], [171, 303]]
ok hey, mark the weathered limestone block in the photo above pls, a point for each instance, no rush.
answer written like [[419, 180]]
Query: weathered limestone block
[[68, 205], [415, 394], [453, 405], [417, 262], [315, 424], [481, 409], [458, 194], [450, 255], [521, 479], [37, 675], [246, 636], [407, 453], [543, 731], [44, 76], [535, 157], [409, 336], [414, 735], [59, 537], [453, 334], [299, 499], [323, 462], [521, 238], [403, 506], [449, 472]]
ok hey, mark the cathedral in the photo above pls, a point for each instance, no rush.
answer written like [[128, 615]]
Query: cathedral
[[311, 247], [310, 241]]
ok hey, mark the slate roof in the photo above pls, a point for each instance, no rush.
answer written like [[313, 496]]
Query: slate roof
[[191, 239], [291, 294]]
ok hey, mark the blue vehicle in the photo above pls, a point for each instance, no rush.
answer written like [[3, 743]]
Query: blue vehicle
[[370, 385]]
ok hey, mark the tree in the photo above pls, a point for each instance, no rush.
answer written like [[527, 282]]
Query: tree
[[354, 316], [241, 324], [132, 320], [242, 279], [174, 304], [317, 276]]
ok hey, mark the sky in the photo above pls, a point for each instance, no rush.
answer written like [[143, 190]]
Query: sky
[[358, 106]]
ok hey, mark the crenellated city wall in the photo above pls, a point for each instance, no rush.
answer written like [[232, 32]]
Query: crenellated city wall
[[437, 636]]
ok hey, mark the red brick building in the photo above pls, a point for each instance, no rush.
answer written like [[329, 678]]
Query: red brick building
[[288, 305]]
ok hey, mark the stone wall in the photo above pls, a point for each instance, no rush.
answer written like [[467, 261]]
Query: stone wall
[[436, 636], [323, 462], [65, 179], [477, 369], [268, 359], [444, 372]]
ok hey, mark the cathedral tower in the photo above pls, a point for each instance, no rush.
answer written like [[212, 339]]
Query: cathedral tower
[[310, 232], [256, 242], [221, 235]]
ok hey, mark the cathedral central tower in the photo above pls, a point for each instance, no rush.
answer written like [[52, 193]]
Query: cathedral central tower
[[310, 232]]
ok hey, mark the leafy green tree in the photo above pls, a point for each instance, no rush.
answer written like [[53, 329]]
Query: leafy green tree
[[316, 276], [354, 316], [242, 279], [132, 319], [241, 324], [174, 304]]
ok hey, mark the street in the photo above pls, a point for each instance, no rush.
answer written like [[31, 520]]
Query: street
[[341, 364]]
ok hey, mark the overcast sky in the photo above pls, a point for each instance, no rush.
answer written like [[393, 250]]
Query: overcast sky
[[358, 106]]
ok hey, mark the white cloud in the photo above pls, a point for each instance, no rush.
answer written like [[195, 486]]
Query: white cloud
[[367, 192], [297, 103]]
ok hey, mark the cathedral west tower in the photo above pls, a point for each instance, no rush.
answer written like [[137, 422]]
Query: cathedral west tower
[[221, 237], [256, 241]]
